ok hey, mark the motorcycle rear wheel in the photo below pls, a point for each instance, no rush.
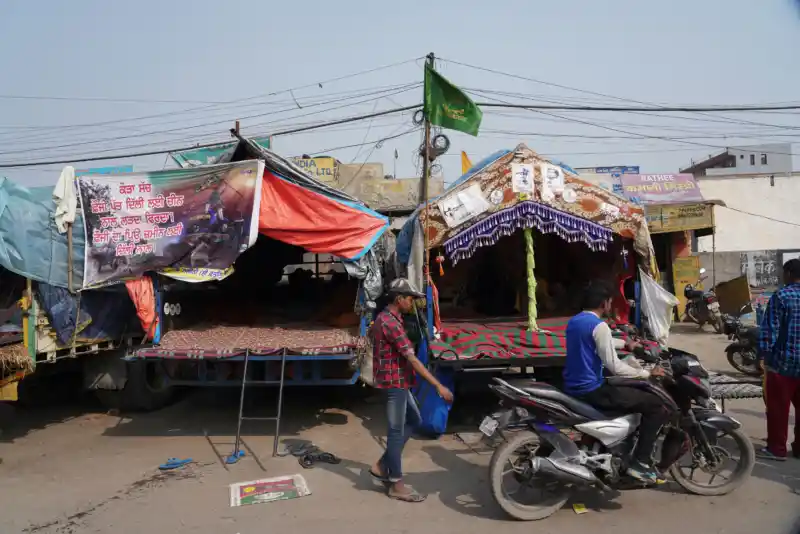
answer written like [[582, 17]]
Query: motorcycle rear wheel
[[747, 460], [503, 464], [736, 359]]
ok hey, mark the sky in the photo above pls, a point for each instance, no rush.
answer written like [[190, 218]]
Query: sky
[[95, 78]]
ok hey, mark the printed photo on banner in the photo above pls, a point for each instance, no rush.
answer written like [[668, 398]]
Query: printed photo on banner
[[552, 178], [465, 205], [522, 178], [197, 220]]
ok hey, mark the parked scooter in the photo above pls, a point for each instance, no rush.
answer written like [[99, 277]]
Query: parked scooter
[[743, 352], [702, 306]]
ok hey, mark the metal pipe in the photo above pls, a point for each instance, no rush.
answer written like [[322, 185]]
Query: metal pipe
[[280, 407], [713, 249], [238, 440]]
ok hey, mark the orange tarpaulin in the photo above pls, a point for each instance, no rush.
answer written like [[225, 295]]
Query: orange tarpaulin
[[318, 223], [144, 298]]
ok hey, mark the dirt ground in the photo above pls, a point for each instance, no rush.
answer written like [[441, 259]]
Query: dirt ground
[[71, 469]]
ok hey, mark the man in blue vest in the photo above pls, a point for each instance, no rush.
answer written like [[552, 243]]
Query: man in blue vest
[[591, 350]]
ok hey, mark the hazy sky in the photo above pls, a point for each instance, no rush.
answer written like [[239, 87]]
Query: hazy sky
[[201, 54]]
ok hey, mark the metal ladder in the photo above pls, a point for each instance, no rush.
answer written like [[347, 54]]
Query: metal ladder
[[237, 451]]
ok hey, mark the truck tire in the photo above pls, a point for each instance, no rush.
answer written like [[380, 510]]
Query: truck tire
[[146, 389]]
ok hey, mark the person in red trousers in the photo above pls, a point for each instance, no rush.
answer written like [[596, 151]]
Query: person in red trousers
[[779, 351]]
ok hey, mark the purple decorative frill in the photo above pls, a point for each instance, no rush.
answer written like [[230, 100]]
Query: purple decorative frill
[[526, 214]]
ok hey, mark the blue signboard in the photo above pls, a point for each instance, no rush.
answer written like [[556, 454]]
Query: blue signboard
[[619, 169], [121, 169]]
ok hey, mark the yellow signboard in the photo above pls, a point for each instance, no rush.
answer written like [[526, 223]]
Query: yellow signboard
[[323, 169], [684, 271], [661, 219]]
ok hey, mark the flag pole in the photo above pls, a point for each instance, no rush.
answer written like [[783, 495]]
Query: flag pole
[[426, 171]]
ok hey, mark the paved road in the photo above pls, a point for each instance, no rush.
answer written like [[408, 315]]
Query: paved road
[[72, 470]]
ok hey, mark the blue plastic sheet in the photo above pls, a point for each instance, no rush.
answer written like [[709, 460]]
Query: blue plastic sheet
[[104, 314], [30, 244]]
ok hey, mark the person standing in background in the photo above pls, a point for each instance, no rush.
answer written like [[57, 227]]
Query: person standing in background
[[779, 353]]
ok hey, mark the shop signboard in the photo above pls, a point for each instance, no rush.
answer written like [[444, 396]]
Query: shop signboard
[[761, 268], [678, 218], [619, 169], [322, 168], [609, 177], [661, 188], [189, 224], [685, 271]]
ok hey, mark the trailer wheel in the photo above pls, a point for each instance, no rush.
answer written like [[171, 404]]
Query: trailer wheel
[[146, 389]]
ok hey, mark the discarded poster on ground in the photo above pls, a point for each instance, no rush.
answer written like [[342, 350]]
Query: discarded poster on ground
[[268, 490], [186, 223]]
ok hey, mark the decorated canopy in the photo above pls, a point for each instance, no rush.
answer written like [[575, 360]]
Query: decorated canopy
[[520, 189]]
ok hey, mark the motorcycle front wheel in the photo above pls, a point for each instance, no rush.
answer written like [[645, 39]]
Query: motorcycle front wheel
[[726, 445], [532, 498], [744, 364]]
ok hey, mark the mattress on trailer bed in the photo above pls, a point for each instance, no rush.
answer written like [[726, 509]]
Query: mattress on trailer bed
[[503, 340], [219, 341]]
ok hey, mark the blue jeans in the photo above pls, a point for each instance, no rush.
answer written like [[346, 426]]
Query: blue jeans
[[403, 417]]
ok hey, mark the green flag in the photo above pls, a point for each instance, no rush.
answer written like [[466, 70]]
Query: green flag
[[448, 106]]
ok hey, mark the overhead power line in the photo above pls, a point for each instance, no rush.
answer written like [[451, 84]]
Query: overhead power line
[[557, 107], [539, 109], [767, 217], [235, 101], [595, 93], [218, 122], [74, 159], [103, 99]]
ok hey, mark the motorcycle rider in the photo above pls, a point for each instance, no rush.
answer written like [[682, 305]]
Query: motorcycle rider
[[590, 351]]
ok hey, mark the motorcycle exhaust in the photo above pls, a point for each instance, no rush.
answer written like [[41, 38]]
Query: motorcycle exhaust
[[563, 471]]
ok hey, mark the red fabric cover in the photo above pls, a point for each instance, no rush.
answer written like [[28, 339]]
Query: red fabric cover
[[437, 318], [144, 298], [298, 216], [620, 307]]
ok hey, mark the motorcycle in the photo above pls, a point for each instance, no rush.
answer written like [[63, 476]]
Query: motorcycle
[[702, 306], [743, 352], [553, 442]]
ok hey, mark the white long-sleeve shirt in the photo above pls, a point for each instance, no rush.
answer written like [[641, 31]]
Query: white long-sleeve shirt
[[606, 350]]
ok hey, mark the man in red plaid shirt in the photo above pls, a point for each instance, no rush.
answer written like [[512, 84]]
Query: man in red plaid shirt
[[395, 365]]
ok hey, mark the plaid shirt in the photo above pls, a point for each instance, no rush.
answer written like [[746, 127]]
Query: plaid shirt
[[390, 352], [779, 343]]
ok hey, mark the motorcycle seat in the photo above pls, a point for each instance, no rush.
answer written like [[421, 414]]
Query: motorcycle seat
[[694, 294], [549, 392]]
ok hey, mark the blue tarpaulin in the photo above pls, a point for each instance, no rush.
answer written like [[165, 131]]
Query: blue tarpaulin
[[104, 314], [30, 244]]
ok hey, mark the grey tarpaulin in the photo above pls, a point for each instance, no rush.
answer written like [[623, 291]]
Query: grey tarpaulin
[[368, 268], [30, 244]]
